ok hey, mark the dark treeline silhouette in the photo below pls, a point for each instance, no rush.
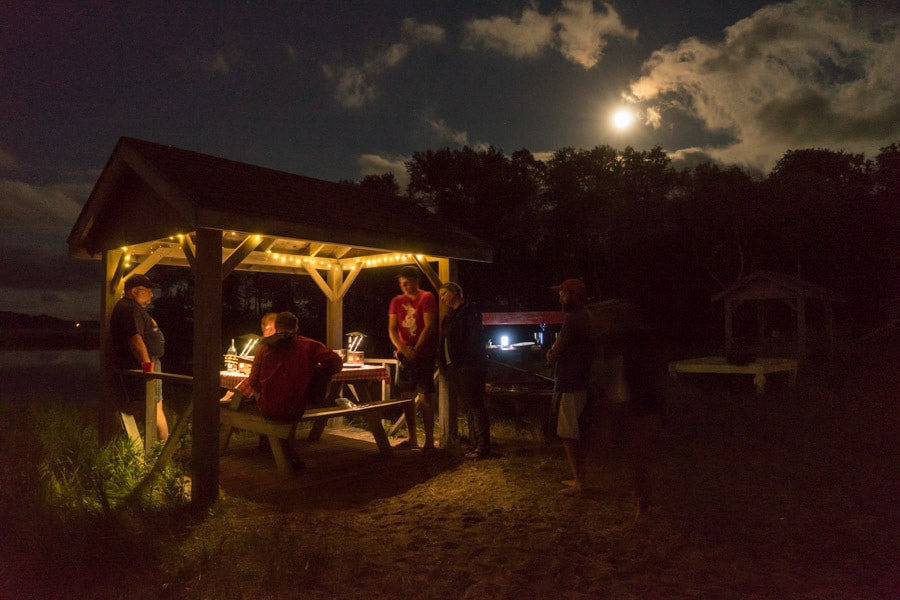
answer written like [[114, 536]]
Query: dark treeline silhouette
[[628, 224], [632, 226]]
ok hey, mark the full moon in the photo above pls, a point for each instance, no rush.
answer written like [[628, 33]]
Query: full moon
[[622, 118]]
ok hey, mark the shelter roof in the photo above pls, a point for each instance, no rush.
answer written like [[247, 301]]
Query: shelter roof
[[150, 195], [769, 284]]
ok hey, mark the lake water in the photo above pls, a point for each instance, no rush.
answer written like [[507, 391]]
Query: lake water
[[44, 376]]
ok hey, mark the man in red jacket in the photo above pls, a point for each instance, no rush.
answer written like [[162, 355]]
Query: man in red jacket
[[283, 368]]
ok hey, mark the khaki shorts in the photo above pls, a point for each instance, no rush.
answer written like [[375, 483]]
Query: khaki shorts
[[571, 405]]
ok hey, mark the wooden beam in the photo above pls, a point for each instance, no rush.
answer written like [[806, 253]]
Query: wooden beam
[[207, 362], [323, 285], [351, 277], [237, 256], [554, 317], [115, 277], [187, 246], [433, 277]]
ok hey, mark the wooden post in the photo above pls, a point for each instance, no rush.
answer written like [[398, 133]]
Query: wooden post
[[801, 327], [334, 311], [447, 271], [207, 360], [109, 424]]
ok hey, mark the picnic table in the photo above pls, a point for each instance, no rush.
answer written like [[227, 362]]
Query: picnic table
[[238, 413]]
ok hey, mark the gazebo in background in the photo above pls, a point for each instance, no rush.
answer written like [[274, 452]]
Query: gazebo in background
[[159, 205], [763, 292], [767, 304]]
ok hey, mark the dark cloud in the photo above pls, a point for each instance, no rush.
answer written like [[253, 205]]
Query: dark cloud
[[31, 268]]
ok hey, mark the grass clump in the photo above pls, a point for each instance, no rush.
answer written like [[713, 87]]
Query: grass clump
[[68, 502]]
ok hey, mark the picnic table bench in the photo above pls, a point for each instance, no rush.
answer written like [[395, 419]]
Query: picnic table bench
[[250, 420]]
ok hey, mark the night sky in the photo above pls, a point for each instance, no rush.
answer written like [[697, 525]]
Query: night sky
[[340, 90]]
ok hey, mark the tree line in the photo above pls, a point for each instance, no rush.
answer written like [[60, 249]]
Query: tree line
[[630, 225]]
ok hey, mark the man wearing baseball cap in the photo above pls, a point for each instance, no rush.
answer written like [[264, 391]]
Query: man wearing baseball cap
[[571, 356], [138, 342]]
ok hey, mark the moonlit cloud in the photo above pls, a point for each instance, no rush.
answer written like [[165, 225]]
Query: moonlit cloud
[[445, 132], [291, 51], [8, 162], [33, 257], [415, 33], [578, 31], [354, 85], [523, 37], [214, 63], [583, 32], [812, 73], [49, 209], [374, 164]]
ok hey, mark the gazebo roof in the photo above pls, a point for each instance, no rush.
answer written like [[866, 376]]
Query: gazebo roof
[[762, 285], [150, 194]]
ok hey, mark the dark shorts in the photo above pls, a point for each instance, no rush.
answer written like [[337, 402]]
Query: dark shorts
[[417, 375]]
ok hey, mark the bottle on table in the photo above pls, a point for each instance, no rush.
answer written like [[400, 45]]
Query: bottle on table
[[231, 358]]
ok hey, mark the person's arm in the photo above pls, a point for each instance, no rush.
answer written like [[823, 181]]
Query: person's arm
[[427, 336], [559, 346], [139, 350], [394, 333], [474, 334], [254, 370], [331, 362]]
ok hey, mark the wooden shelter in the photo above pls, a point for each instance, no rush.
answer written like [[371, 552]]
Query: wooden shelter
[[764, 287], [159, 205]]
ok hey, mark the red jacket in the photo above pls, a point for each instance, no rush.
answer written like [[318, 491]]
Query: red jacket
[[283, 368]]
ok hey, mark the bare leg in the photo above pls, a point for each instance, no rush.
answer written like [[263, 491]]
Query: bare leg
[[575, 455], [162, 426], [409, 412], [645, 429], [428, 420]]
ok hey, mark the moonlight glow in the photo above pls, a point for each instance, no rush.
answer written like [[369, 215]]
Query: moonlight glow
[[622, 119]]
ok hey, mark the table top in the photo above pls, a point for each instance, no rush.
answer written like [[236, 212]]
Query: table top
[[720, 364], [362, 372], [231, 379]]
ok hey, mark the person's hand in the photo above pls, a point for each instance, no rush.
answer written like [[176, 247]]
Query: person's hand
[[147, 367]]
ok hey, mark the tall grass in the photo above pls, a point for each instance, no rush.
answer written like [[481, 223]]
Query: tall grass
[[81, 475], [63, 500]]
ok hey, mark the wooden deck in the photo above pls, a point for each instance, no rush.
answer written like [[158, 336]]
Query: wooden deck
[[343, 468]]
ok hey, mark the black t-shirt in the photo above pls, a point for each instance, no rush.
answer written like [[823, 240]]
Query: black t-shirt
[[130, 318], [573, 367]]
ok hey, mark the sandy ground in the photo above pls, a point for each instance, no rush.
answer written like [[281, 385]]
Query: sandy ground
[[791, 495], [788, 495]]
